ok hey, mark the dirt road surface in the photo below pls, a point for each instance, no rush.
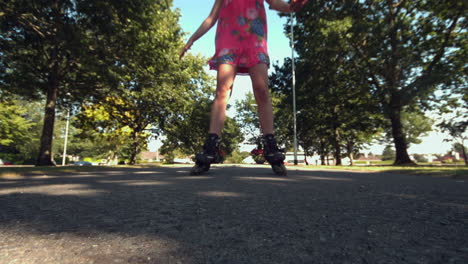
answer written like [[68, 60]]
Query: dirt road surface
[[232, 215]]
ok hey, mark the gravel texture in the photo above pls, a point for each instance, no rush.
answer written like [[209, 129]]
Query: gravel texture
[[232, 215]]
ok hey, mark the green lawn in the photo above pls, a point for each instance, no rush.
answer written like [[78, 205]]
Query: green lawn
[[14, 172], [436, 171]]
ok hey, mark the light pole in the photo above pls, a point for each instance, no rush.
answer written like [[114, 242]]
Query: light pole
[[294, 89], [64, 157]]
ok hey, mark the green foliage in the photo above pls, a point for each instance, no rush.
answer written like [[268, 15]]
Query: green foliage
[[415, 124], [458, 133], [232, 136], [400, 52], [406, 58], [149, 84], [420, 158], [21, 123], [90, 49], [337, 113], [247, 117], [458, 147], [13, 126], [236, 157], [388, 153], [188, 132], [457, 130]]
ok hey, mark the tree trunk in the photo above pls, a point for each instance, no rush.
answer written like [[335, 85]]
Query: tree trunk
[[337, 148], [464, 154], [45, 150], [402, 157], [53, 83], [322, 160], [349, 149], [134, 149], [351, 161]]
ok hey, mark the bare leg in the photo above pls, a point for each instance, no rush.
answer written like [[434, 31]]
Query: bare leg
[[225, 79], [259, 77]]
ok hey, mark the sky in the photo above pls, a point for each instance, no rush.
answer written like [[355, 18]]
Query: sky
[[192, 15]]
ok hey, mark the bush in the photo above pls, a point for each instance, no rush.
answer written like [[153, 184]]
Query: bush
[[235, 157], [388, 153], [420, 158]]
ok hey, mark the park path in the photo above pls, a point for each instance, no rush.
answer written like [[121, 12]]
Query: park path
[[232, 215]]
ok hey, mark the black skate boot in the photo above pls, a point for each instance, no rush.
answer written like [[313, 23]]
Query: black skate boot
[[274, 155], [209, 154]]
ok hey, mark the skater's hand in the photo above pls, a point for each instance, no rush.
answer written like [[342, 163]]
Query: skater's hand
[[186, 47], [297, 5]]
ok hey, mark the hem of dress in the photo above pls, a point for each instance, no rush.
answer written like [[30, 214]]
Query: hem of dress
[[240, 70]]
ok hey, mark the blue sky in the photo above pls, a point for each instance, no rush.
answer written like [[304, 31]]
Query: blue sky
[[192, 15]]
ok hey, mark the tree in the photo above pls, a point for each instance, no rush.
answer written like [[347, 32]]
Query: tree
[[388, 153], [187, 132], [152, 85], [415, 124], [420, 158], [457, 130], [405, 50], [457, 123], [50, 48], [337, 112], [237, 157], [106, 125], [410, 48], [39, 41], [247, 116], [14, 128]]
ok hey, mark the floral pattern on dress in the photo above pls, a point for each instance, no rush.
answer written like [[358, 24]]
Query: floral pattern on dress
[[227, 59], [263, 58], [241, 21], [241, 37], [256, 27]]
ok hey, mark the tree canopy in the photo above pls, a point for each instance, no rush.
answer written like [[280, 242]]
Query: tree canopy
[[383, 58], [93, 50]]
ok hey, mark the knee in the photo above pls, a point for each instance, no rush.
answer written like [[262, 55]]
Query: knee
[[222, 92], [262, 95]]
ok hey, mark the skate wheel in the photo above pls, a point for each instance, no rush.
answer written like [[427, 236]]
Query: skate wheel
[[279, 169]]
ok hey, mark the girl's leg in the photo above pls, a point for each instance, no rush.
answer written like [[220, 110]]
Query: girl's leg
[[259, 77], [225, 80], [274, 156]]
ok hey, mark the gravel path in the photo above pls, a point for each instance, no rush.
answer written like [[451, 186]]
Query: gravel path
[[232, 215]]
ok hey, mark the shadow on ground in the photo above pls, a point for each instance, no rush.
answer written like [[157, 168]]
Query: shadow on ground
[[232, 215]]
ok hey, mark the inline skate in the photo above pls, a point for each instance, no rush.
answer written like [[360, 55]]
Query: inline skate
[[210, 154], [274, 155]]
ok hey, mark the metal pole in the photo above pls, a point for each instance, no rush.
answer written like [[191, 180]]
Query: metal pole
[[66, 138], [294, 89]]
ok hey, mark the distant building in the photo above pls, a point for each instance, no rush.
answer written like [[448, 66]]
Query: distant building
[[430, 158], [151, 156], [451, 157], [368, 159]]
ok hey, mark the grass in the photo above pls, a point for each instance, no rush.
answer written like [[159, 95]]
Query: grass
[[374, 162], [435, 171], [458, 172], [8, 172]]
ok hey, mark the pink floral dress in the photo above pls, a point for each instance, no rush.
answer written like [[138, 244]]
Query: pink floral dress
[[241, 36]]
